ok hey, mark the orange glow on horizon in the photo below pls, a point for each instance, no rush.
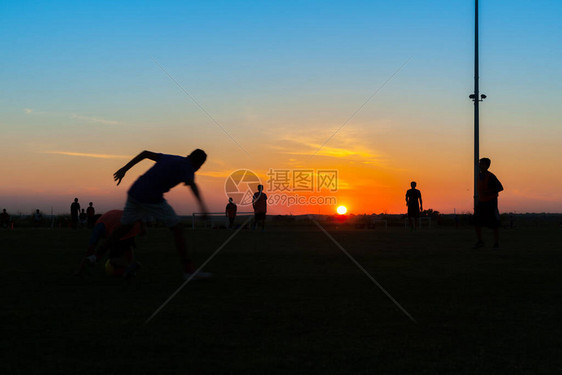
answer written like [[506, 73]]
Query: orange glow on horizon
[[368, 187]]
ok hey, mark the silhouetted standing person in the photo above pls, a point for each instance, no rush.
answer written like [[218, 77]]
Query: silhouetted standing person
[[91, 212], [231, 209], [415, 205], [486, 212], [259, 202], [74, 213], [4, 219], [37, 218]]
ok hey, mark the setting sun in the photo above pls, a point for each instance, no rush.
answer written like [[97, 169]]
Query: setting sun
[[341, 210]]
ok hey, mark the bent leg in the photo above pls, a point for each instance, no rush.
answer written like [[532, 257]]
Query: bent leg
[[181, 247]]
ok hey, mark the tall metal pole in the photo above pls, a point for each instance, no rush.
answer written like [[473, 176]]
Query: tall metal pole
[[476, 99]]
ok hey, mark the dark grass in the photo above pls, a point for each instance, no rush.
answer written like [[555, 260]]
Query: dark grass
[[287, 301]]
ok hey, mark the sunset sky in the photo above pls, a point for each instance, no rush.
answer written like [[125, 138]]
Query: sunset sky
[[263, 85]]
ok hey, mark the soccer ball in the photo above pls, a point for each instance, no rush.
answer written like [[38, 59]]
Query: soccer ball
[[113, 270]]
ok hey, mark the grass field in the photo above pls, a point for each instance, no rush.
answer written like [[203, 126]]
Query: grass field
[[288, 301]]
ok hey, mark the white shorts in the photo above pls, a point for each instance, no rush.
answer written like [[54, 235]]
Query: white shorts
[[135, 211]]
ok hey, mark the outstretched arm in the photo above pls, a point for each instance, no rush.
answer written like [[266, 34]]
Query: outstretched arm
[[118, 176], [197, 194]]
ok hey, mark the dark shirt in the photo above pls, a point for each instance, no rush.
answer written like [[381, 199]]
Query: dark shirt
[[488, 187], [168, 171], [413, 196], [259, 202], [75, 209], [231, 210]]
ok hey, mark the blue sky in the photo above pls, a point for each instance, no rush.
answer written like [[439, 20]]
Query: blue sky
[[89, 54]]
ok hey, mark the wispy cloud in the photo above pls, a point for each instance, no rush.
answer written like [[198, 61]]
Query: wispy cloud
[[95, 120], [337, 152], [88, 155], [74, 116], [351, 148]]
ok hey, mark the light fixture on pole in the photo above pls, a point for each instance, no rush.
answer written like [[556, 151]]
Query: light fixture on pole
[[477, 98]]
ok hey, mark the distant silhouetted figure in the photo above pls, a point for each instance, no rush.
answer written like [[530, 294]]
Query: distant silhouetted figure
[[4, 219], [37, 218], [486, 212], [231, 209], [415, 205], [91, 212], [146, 198], [74, 213], [259, 202]]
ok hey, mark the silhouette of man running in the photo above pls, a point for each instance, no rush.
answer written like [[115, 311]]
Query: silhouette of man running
[[146, 198]]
